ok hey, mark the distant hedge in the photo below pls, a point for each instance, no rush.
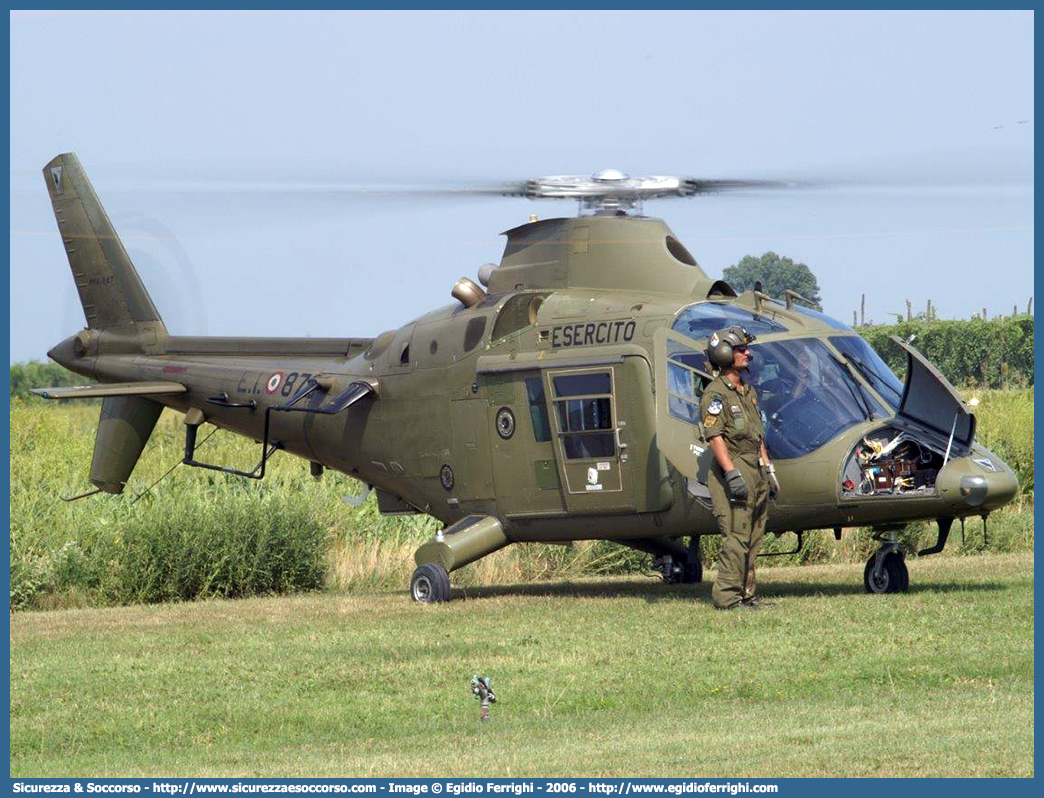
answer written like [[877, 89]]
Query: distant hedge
[[994, 354], [41, 375]]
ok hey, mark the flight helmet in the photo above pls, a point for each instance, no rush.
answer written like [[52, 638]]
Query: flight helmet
[[720, 344]]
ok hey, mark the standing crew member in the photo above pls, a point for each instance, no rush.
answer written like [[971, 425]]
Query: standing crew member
[[742, 478]]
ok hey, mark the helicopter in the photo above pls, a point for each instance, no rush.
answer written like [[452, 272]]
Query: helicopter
[[556, 399]]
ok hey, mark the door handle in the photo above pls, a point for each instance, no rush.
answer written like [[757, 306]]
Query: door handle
[[619, 444]]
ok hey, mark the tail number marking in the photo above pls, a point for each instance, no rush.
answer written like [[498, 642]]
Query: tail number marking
[[287, 381]]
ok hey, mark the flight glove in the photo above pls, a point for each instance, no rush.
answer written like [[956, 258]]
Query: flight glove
[[737, 487], [773, 483]]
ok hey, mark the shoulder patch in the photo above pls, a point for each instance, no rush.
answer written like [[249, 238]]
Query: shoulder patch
[[710, 421], [715, 406]]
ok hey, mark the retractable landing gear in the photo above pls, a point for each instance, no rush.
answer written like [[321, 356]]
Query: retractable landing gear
[[886, 572]]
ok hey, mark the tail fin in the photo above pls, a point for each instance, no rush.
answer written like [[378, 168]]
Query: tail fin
[[110, 290], [123, 430]]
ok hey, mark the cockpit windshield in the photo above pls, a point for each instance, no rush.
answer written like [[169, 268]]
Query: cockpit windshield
[[828, 320], [700, 320], [875, 370], [807, 396]]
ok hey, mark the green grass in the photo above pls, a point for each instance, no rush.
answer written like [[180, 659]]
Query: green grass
[[599, 677]]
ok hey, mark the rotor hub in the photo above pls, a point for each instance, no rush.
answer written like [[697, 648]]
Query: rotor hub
[[609, 191]]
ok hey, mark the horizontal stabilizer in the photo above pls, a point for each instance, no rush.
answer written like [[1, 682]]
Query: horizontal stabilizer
[[111, 389]]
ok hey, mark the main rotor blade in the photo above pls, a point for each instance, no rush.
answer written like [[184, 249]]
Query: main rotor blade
[[334, 187], [869, 183]]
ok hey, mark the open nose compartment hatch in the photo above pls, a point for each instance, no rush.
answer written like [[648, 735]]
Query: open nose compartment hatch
[[891, 462]]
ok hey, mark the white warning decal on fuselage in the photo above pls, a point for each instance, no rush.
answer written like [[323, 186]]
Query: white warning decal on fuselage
[[592, 479]]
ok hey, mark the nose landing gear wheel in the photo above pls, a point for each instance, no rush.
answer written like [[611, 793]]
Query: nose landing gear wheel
[[891, 577], [430, 583]]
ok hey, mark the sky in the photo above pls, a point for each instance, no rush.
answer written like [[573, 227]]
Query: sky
[[207, 135]]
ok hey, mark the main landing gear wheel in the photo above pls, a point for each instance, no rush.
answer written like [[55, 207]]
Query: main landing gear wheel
[[684, 572], [693, 569], [890, 577], [430, 583]]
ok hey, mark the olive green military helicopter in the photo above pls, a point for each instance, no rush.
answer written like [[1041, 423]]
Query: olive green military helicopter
[[555, 402]]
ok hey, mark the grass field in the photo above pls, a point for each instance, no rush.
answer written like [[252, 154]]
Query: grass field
[[599, 677]]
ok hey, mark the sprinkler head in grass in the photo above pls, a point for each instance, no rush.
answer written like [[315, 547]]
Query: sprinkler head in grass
[[482, 690]]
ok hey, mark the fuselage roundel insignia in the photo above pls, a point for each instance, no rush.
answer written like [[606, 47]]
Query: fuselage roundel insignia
[[274, 382]]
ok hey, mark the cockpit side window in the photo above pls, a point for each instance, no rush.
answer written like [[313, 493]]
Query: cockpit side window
[[686, 380]]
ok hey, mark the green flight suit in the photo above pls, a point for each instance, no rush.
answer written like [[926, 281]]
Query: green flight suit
[[734, 415]]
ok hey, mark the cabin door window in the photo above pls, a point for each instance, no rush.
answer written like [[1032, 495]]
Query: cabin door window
[[587, 432]]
